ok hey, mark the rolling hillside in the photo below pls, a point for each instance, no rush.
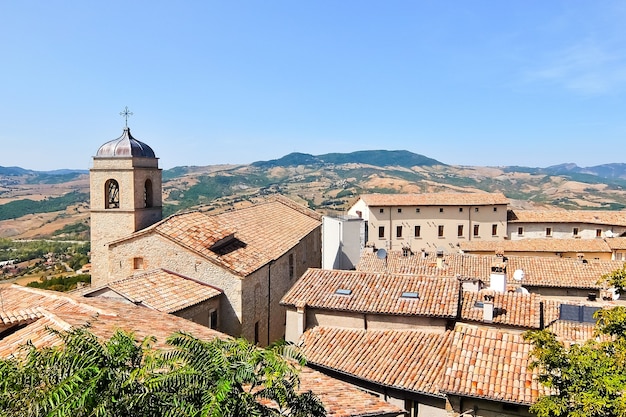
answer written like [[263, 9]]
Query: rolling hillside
[[55, 204]]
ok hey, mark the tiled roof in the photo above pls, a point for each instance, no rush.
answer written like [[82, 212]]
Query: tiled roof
[[571, 331], [616, 218], [105, 316], [434, 199], [491, 364], [244, 240], [539, 271], [616, 242], [8, 317], [343, 400], [510, 309], [411, 360], [163, 290], [378, 293], [537, 245]]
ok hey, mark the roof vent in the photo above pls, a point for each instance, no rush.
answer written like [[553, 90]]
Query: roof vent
[[343, 291]]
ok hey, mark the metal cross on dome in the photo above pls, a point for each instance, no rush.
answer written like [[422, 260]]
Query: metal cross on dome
[[125, 114]]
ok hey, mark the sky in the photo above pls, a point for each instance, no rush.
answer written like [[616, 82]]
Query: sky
[[467, 82]]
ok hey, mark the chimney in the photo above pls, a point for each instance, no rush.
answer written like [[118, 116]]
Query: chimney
[[498, 277], [424, 253], [439, 258], [488, 309]]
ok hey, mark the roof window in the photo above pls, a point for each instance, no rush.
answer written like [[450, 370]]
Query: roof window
[[343, 291], [410, 294]]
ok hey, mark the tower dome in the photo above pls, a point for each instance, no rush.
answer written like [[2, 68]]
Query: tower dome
[[125, 146]]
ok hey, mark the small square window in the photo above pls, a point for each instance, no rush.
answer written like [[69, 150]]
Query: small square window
[[417, 210], [495, 209], [381, 210], [460, 209], [476, 209], [399, 210], [137, 263], [440, 209]]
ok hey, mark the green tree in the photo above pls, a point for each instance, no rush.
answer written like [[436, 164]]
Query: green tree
[[585, 380], [615, 279], [223, 378], [86, 376]]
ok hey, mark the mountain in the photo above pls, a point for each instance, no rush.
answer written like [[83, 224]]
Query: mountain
[[378, 158], [35, 204]]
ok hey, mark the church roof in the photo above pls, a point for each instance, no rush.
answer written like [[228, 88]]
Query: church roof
[[125, 146], [162, 290]]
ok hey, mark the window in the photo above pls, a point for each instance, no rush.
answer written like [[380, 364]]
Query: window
[[137, 263], [147, 194], [213, 319], [495, 209], [459, 230], [440, 230], [418, 231], [520, 231], [476, 209], [398, 231], [476, 228], [494, 230], [417, 210], [399, 210], [440, 209], [381, 210], [381, 232], [291, 266], [460, 209], [548, 231], [575, 231], [598, 232], [112, 192]]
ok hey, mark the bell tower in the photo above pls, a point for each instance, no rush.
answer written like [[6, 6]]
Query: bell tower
[[125, 196]]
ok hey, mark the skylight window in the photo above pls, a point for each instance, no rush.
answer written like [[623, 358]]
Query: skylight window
[[410, 294], [343, 291]]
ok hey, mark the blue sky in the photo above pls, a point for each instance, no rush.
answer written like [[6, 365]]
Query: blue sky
[[491, 83]]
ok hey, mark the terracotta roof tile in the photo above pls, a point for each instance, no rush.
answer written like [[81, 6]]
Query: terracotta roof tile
[[539, 271], [617, 218], [411, 360], [434, 199], [379, 293], [537, 245], [491, 364], [343, 400], [510, 309], [163, 290], [244, 240]]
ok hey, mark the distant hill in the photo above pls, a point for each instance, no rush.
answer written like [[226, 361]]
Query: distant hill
[[32, 202], [378, 158]]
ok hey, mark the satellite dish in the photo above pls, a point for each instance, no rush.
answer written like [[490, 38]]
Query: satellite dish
[[381, 254], [518, 275], [522, 290], [614, 293]]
